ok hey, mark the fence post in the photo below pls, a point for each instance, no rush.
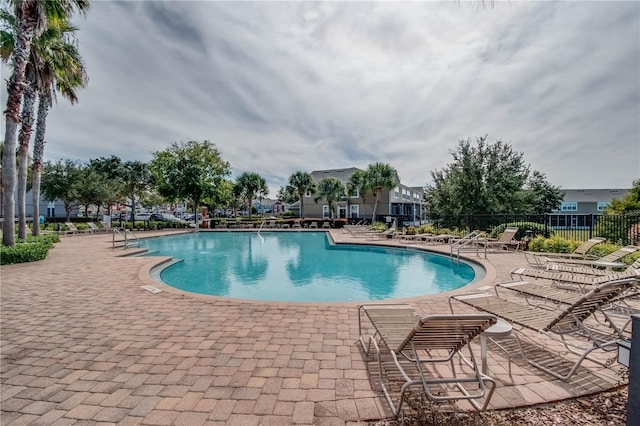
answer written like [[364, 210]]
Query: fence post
[[546, 224], [590, 225], [633, 398]]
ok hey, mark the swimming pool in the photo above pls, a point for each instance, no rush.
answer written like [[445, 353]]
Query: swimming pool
[[302, 267]]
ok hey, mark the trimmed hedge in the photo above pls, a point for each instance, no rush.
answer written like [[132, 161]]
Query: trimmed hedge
[[31, 250]]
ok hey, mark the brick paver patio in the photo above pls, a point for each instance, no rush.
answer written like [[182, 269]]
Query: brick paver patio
[[82, 343]]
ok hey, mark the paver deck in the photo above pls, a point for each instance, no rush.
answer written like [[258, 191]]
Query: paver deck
[[82, 343]]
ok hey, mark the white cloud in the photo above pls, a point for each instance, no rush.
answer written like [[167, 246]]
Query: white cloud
[[281, 87]]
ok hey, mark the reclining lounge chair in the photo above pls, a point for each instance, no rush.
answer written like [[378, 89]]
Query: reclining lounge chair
[[505, 241], [409, 349], [541, 258], [564, 324], [605, 261]]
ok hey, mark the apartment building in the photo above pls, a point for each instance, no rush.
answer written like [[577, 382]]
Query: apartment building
[[400, 202], [578, 205]]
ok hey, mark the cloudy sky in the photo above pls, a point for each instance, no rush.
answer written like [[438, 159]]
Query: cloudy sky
[[287, 86]]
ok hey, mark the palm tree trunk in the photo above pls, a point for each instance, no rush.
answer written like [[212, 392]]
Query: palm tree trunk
[[301, 202], [23, 157], [375, 206], [38, 156], [9, 180], [24, 36]]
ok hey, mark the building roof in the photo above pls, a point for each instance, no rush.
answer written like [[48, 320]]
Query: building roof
[[342, 174], [594, 195]]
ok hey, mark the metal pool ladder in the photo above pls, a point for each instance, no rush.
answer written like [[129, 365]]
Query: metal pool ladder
[[127, 239], [469, 243]]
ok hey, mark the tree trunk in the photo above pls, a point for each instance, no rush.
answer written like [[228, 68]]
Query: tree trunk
[[375, 206], [35, 191], [301, 203], [38, 156], [23, 157], [9, 182], [24, 36], [67, 211]]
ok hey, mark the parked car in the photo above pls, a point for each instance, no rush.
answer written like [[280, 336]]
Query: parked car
[[190, 217], [142, 216], [166, 217]]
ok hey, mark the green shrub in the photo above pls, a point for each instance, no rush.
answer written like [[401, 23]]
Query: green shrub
[[537, 243], [34, 249], [49, 238], [81, 226], [535, 228], [378, 226], [554, 244], [630, 258], [603, 249], [412, 230], [443, 231], [426, 229]]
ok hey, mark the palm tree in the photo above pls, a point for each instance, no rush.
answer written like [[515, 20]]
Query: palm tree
[[32, 17], [62, 71], [331, 189], [381, 176], [358, 180], [302, 182], [52, 60], [252, 185], [31, 21]]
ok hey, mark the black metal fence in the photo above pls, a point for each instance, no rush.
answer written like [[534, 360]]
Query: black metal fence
[[620, 229]]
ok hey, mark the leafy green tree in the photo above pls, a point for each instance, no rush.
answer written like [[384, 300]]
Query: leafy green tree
[[32, 16], [358, 180], [53, 53], [379, 177], [108, 193], [620, 223], [137, 179], [288, 194], [236, 196], [331, 189], [150, 199], [64, 74], [251, 185], [62, 181], [111, 168], [111, 178], [630, 203], [89, 189], [222, 195], [302, 183], [189, 171], [539, 196], [484, 178]]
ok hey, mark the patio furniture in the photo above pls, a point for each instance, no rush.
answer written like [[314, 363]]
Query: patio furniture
[[565, 323], [541, 258], [419, 352]]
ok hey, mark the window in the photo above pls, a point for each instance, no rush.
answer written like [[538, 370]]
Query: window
[[569, 206], [355, 193], [602, 205], [325, 211], [396, 192], [354, 211]]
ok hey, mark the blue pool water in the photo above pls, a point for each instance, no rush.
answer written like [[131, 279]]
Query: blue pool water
[[302, 267]]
